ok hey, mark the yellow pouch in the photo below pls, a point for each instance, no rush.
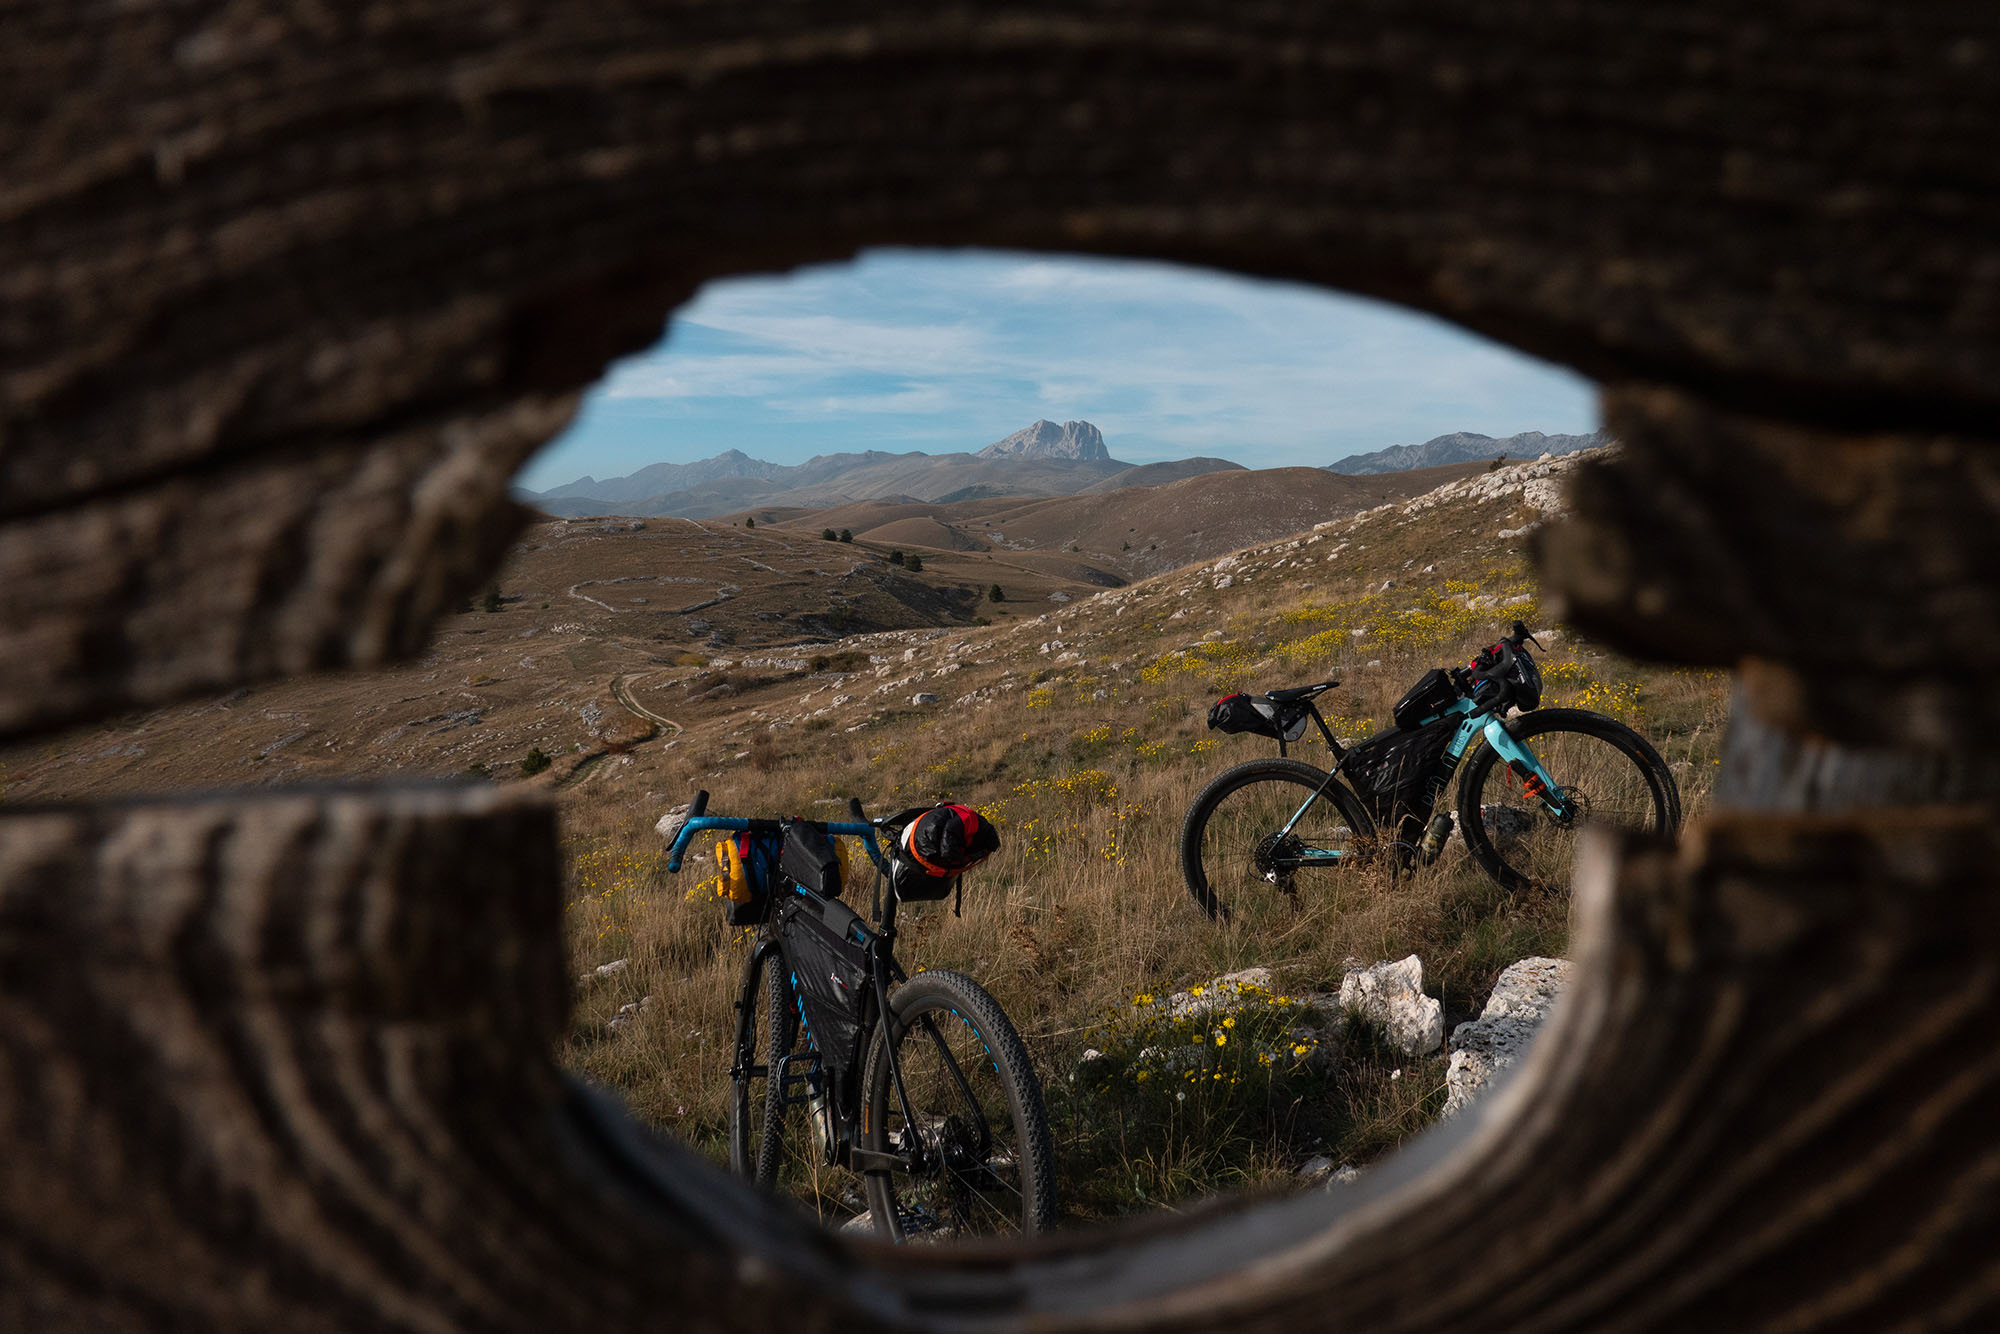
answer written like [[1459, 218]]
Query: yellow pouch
[[735, 883]]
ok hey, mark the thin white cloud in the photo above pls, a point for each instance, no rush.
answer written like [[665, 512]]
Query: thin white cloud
[[969, 345]]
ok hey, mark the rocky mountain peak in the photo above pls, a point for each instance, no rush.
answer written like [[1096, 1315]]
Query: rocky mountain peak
[[1046, 440]]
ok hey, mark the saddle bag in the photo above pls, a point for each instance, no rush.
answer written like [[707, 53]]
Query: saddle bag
[[936, 848], [1262, 717], [829, 973]]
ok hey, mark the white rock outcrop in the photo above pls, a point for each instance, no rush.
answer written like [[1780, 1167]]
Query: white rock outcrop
[[1481, 1048], [1392, 995]]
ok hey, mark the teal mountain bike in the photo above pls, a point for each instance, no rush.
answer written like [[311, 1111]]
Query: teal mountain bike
[[1526, 786]]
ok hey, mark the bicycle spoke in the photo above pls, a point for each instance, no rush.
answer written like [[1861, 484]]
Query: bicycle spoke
[[963, 1150], [1259, 836], [1598, 780]]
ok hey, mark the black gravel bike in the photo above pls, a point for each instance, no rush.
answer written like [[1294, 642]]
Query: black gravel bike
[[844, 1065], [1530, 785]]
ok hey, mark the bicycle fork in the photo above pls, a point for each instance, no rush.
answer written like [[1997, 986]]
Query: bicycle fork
[[1536, 782]]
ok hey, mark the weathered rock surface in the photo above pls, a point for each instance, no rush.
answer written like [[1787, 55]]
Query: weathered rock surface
[[1481, 1048], [1392, 995], [1046, 440]]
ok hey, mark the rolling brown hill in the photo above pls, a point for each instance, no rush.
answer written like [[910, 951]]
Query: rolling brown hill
[[600, 631], [1132, 531]]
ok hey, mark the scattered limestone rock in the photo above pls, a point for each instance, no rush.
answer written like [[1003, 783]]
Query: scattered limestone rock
[[1392, 995], [1320, 1171], [923, 697], [604, 970], [1481, 1048], [629, 1013], [669, 825], [1220, 994]]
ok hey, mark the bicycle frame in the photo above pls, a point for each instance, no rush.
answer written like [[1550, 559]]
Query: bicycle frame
[[1476, 720]]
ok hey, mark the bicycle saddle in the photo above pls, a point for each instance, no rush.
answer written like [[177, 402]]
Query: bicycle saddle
[[1299, 692]]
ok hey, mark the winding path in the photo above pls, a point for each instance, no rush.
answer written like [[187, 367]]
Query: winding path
[[621, 690]]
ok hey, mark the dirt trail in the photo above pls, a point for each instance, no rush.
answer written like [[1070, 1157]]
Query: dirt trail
[[621, 690]]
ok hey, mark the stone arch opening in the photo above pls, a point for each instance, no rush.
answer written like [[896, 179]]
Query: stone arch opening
[[386, 281]]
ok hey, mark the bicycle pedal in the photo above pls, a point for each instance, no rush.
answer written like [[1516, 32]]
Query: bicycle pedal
[[798, 1077]]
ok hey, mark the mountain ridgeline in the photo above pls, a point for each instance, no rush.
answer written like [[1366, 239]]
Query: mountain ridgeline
[[1045, 459], [1466, 447]]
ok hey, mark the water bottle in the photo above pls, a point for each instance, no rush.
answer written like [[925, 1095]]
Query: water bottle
[[1435, 836]]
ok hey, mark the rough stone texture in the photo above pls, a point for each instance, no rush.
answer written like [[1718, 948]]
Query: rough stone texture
[[287, 288], [1758, 515], [1481, 1048], [234, 235], [1218, 995], [1392, 995]]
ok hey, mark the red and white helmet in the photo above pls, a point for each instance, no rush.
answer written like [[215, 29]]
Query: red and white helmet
[[949, 840]]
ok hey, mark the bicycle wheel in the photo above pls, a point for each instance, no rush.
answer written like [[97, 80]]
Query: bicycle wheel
[[766, 1030], [976, 1155], [1235, 851], [1606, 771]]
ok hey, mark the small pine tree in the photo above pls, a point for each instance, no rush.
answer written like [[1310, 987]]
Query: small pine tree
[[827, 534], [749, 523], [535, 763], [491, 602], [914, 563], [846, 535], [1495, 465], [994, 594], [895, 558]]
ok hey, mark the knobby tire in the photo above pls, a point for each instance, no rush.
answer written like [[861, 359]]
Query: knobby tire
[[1007, 1187]]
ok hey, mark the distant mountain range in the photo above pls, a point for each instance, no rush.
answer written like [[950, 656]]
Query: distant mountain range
[[1038, 461], [1465, 447], [1044, 459]]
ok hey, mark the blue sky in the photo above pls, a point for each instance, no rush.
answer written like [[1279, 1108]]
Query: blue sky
[[946, 351]]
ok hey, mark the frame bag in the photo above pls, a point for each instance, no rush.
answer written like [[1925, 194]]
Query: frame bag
[[830, 975], [1391, 773]]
